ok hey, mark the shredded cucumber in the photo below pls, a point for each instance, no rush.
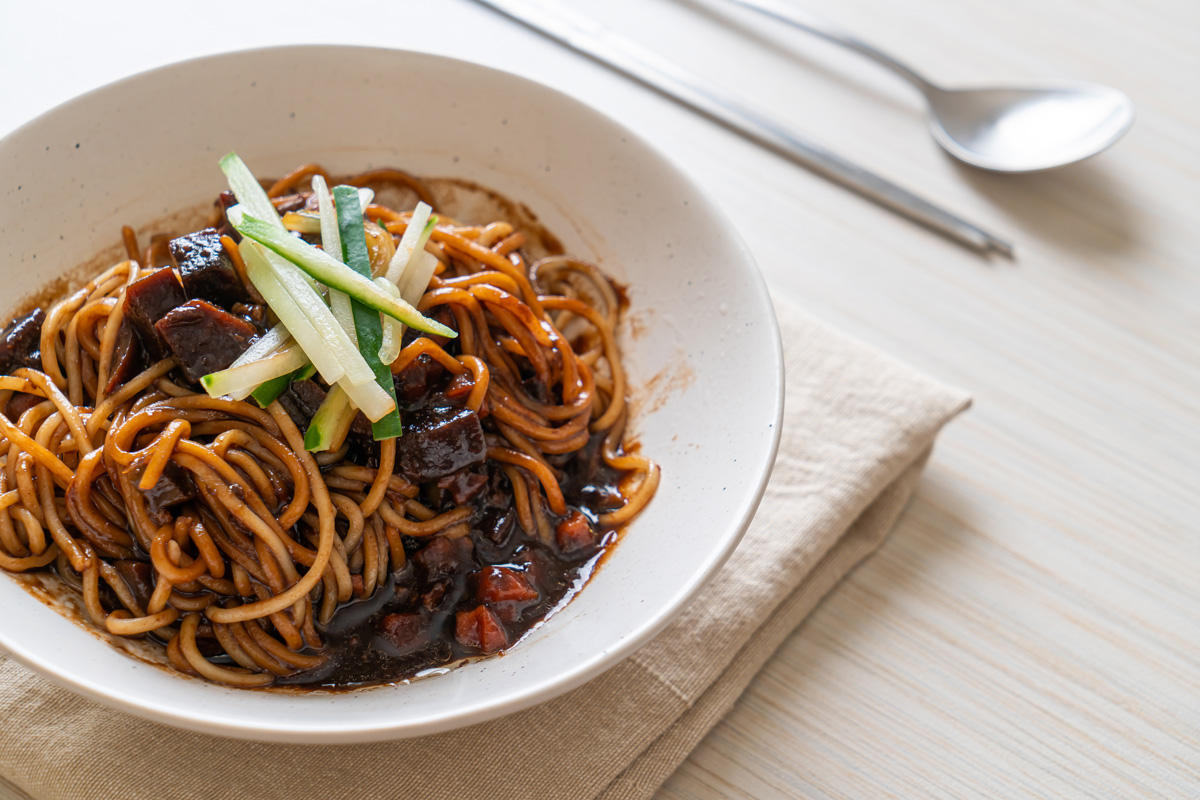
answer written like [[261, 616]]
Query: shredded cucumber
[[366, 320], [336, 275], [414, 282], [264, 345], [331, 242], [393, 330], [335, 340], [269, 285], [373, 400], [237, 382], [331, 423], [415, 236], [269, 392], [248, 191], [328, 341], [417, 277], [410, 258]]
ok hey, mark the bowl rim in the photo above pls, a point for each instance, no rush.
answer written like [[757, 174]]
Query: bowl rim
[[293, 730]]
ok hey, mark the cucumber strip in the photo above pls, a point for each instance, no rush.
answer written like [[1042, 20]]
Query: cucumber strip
[[264, 345], [366, 320], [377, 405], [343, 312], [306, 370], [408, 242], [393, 330], [336, 275], [335, 339], [265, 279], [328, 430], [414, 283], [331, 423], [269, 392], [235, 216], [331, 239], [331, 242], [239, 381], [417, 277], [249, 192]]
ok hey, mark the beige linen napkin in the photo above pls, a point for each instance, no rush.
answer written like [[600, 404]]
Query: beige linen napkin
[[858, 429]]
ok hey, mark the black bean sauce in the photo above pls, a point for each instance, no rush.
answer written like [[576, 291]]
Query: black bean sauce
[[476, 594]]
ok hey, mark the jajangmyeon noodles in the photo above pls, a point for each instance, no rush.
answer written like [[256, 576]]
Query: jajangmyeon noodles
[[289, 542]]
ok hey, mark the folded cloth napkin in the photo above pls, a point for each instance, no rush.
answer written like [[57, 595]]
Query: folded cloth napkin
[[858, 429]]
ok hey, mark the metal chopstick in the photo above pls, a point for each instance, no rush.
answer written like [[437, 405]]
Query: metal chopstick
[[585, 36]]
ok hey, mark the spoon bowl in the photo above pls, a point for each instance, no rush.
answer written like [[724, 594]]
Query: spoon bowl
[[1003, 130], [1024, 130]]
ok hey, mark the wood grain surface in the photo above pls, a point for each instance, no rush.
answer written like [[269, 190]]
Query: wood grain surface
[[1032, 628]]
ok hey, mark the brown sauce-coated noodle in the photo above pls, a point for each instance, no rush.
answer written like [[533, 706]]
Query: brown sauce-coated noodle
[[243, 582]]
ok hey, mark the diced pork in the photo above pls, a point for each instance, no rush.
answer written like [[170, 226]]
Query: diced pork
[[203, 338]]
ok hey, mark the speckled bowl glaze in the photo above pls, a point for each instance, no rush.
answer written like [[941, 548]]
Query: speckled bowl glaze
[[701, 343]]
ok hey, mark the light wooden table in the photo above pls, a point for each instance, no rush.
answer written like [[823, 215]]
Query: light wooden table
[[1032, 628]]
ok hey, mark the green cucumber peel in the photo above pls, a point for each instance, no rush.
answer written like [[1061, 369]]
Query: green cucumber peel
[[367, 324], [270, 390], [333, 273], [426, 232], [239, 381], [321, 346], [335, 414]]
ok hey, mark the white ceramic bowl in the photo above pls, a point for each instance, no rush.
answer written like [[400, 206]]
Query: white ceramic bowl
[[703, 350]]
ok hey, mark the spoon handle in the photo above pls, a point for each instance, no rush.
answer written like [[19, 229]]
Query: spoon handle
[[588, 38], [786, 12]]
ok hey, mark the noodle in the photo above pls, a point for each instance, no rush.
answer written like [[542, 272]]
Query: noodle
[[242, 580]]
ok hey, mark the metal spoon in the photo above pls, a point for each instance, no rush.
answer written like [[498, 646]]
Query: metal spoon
[[1005, 130]]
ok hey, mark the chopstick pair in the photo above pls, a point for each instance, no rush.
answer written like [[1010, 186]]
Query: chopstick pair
[[588, 38]]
